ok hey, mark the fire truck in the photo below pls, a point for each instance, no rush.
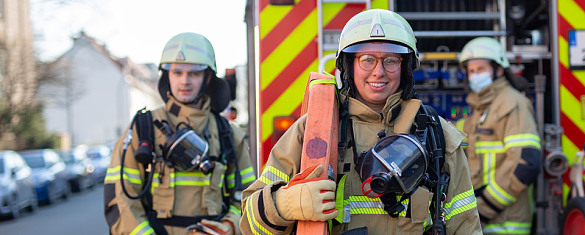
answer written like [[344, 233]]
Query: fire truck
[[544, 40]]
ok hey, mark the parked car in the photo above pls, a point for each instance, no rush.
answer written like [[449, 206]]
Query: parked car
[[79, 168], [49, 174], [17, 189], [100, 156]]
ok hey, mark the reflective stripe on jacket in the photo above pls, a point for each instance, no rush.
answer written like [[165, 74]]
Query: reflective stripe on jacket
[[504, 156], [174, 193], [260, 215]]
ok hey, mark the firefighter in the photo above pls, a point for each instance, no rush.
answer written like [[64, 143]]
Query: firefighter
[[376, 58], [196, 176], [504, 146]]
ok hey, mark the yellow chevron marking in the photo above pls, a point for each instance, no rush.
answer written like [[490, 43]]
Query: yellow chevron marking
[[330, 10], [569, 149], [580, 75], [288, 101], [572, 13], [570, 106], [330, 65], [271, 16], [288, 50], [379, 4]]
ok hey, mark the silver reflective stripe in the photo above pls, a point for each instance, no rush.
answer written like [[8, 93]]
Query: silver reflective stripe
[[272, 174]]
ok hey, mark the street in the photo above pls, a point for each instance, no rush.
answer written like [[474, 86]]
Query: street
[[82, 213]]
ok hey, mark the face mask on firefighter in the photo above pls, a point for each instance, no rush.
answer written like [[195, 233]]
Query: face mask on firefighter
[[396, 164], [479, 81], [186, 150]]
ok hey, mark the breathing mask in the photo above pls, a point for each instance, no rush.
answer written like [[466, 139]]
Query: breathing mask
[[396, 164], [479, 81], [185, 149]]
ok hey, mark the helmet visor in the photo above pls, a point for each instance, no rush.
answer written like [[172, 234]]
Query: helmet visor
[[377, 47], [395, 164], [181, 67]]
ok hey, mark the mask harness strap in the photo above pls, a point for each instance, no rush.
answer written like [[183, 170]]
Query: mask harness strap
[[428, 127], [229, 155], [145, 155]]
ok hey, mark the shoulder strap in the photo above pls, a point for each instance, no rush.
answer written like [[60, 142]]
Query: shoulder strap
[[228, 154], [429, 121], [144, 155]]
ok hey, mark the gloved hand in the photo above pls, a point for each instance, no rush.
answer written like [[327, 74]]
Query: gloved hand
[[219, 228], [307, 197]]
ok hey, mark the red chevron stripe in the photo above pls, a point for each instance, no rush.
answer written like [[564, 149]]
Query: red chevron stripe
[[344, 15], [571, 82], [564, 27], [266, 147], [297, 112], [572, 131], [288, 75], [280, 32], [581, 4], [262, 4]]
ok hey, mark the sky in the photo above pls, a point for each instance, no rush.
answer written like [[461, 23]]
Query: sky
[[139, 29]]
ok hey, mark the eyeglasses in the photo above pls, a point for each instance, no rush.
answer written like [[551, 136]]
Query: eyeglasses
[[369, 62]]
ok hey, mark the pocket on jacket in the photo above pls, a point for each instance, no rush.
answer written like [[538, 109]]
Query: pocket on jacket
[[213, 197], [420, 205]]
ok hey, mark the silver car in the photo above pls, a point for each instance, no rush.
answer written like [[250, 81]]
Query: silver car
[[17, 189]]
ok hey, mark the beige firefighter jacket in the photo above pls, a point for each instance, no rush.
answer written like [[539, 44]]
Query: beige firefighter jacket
[[174, 193], [503, 155], [260, 215]]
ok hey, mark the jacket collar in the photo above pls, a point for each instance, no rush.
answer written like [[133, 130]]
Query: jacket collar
[[188, 113]]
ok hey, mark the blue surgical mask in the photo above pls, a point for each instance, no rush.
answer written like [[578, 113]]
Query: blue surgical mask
[[480, 81]]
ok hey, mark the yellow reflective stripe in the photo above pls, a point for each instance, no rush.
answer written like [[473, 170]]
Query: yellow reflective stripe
[[405, 204], [460, 203], [493, 188], [365, 205], [255, 227], [220, 185], [487, 168], [190, 179], [339, 202], [142, 228], [508, 228], [489, 146], [235, 210], [521, 140], [272, 174], [247, 177], [132, 175]]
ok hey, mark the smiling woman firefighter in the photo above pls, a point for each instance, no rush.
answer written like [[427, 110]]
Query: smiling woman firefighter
[[181, 168], [401, 168]]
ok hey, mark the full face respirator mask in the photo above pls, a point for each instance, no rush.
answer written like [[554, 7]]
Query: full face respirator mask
[[396, 164], [186, 150]]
